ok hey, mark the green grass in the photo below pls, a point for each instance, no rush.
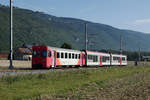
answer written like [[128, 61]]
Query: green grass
[[29, 86]]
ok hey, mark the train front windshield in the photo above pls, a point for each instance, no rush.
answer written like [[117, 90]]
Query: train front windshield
[[43, 53]]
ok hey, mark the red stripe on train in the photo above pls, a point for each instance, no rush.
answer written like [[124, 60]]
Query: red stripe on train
[[101, 61]]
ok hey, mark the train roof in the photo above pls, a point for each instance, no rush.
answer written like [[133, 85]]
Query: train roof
[[63, 49], [91, 52], [96, 52], [118, 55], [60, 49]]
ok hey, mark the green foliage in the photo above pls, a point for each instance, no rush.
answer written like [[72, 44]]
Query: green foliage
[[28, 86], [66, 46]]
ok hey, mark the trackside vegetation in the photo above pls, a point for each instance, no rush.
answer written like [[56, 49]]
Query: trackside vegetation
[[55, 83]]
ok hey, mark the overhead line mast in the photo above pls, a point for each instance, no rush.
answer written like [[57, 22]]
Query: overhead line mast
[[86, 40], [120, 44], [11, 35]]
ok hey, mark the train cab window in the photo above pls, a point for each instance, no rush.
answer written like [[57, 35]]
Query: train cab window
[[62, 55], [66, 55], [72, 56], [76, 56], [38, 54], [69, 55], [58, 55], [44, 53], [34, 53]]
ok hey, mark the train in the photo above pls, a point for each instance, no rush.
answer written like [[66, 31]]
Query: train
[[46, 57]]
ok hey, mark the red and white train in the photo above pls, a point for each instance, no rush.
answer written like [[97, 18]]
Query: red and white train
[[49, 57]]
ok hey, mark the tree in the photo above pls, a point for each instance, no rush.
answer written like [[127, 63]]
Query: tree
[[66, 46]]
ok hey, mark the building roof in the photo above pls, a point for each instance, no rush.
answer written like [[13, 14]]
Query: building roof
[[25, 51]]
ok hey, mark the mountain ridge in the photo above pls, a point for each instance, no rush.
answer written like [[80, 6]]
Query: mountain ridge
[[37, 27]]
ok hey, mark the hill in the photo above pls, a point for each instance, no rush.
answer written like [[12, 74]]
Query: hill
[[37, 27]]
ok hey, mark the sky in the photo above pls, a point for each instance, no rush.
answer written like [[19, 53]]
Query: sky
[[123, 14]]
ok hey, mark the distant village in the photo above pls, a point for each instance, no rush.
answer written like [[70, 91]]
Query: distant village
[[22, 53]]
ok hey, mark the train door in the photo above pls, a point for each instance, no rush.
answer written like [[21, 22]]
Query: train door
[[111, 59], [100, 61], [83, 59], [120, 61], [54, 54], [49, 59]]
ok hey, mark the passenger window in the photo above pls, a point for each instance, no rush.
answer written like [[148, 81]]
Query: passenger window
[[58, 55], [65, 55], [76, 56], [70, 55], [95, 59], [62, 55], [123, 59]]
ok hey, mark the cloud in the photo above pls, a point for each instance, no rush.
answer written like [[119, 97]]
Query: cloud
[[142, 21]]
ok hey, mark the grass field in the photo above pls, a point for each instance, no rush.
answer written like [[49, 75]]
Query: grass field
[[107, 83]]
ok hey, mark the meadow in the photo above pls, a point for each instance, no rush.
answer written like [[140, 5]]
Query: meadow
[[97, 83]]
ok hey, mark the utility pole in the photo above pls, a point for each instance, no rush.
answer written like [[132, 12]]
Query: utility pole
[[86, 40], [120, 44], [11, 35]]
